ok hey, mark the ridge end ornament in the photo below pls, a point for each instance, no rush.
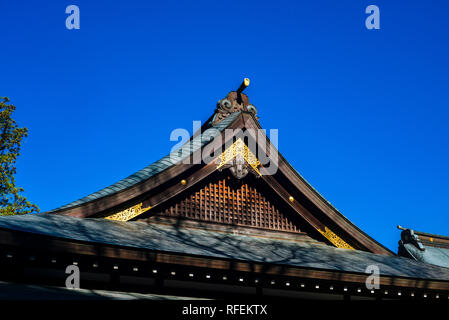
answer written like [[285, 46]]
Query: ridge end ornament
[[239, 159], [233, 102]]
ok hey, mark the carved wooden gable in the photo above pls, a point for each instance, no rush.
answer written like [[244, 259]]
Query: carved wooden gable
[[227, 202]]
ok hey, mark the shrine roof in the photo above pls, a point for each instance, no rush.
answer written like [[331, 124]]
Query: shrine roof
[[209, 243]]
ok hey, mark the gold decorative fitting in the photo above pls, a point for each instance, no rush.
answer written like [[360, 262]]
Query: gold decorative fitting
[[291, 199], [183, 182], [336, 240], [237, 151], [244, 84], [129, 213]]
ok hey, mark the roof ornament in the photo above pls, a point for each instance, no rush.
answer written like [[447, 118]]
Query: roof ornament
[[243, 86], [128, 213], [235, 101], [409, 236], [336, 240], [240, 160]]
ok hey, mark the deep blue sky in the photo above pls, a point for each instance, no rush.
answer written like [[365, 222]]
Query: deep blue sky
[[362, 114]]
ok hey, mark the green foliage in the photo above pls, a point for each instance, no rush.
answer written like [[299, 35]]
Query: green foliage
[[11, 200]]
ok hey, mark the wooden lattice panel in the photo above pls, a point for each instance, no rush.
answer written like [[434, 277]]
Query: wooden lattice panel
[[218, 202]]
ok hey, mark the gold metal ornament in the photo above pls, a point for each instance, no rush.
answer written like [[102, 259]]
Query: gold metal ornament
[[129, 213], [239, 150], [336, 240]]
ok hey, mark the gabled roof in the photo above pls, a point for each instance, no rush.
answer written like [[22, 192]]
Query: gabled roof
[[159, 183]]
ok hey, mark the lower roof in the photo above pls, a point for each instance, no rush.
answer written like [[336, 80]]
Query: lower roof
[[206, 243], [432, 255], [425, 247]]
